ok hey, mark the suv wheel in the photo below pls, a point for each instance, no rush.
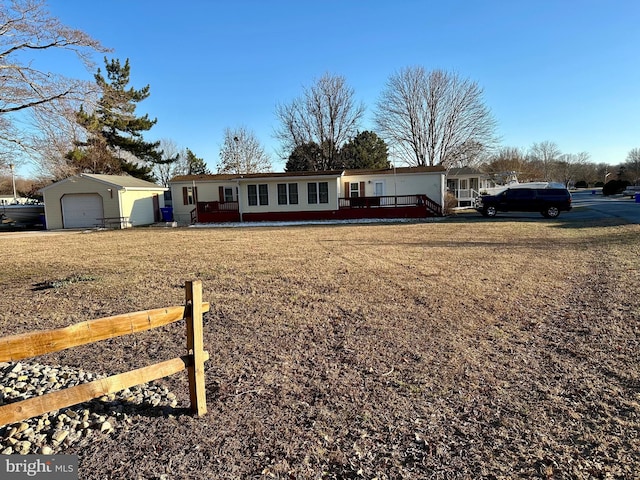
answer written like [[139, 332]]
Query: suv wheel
[[551, 212], [490, 211]]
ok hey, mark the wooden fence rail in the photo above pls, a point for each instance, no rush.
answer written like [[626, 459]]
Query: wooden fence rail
[[28, 345]]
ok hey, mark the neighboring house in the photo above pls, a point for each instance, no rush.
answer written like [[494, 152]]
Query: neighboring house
[[389, 193], [466, 183], [90, 200], [9, 199]]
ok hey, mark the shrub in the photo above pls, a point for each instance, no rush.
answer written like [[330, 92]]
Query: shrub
[[613, 187], [450, 203], [582, 184]]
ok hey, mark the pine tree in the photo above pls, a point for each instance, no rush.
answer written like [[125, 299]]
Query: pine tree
[[115, 142], [195, 165], [306, 157]]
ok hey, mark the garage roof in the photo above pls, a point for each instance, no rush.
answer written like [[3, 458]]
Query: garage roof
[[126, 182]]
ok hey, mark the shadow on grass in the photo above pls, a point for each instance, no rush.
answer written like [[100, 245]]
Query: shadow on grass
[[579, 218]]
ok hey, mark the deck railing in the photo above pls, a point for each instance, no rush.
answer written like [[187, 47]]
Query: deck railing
[[466, 193], [390, 201], [211, 207]]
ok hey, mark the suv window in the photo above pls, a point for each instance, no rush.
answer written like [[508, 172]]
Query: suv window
[[548, 192], [520, 194]]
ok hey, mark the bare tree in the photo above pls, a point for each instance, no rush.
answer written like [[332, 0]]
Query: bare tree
[[27, 30], [326, 114], [545, 155], [242, 153], [509, 163], [434, 118], [172, 162], [55, 134], [633, 165], [569, 167]]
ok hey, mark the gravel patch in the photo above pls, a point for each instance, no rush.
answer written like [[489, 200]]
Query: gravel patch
[[55, 431]]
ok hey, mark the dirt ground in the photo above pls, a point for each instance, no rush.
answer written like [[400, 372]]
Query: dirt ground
[[493, 349]]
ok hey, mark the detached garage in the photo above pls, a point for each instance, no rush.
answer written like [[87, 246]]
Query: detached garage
[[90, 200]]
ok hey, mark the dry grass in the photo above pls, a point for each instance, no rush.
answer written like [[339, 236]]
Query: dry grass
[[459, 349]]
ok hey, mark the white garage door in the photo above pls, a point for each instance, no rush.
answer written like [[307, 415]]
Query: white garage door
[[81, 210]]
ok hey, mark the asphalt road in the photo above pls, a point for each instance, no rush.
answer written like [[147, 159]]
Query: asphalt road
[[587, 207], [591, 207]]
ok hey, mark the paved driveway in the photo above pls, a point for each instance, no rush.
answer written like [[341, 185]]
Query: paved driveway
[[16, 233]]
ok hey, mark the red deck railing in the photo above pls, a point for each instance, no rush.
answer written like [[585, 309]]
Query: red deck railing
[[415, 206]]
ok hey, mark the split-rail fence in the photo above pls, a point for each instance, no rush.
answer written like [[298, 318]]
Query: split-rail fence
[[31, 344]]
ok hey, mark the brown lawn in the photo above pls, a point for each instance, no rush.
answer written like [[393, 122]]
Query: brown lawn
[[453, 349]]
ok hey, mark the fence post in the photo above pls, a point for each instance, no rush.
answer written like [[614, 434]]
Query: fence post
[[195, 346]]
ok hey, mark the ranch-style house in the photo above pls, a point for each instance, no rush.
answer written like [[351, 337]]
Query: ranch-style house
[[408, 192]]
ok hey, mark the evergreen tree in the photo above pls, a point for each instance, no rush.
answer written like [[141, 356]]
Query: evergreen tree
[[304, 158], [365, 150], [115, 142], [195, 165]]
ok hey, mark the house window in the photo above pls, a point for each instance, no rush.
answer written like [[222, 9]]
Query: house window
[[282, 194], [287, 194], [252, 191], [228, 194], [258, 194], [189, 195], [312, 193], [293, 193], [323, 190], [318, 192], [378, 189], [263, 194], [354, 190]]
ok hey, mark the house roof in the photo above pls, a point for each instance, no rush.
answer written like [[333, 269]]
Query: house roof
[[393, 171], [204, 178], [460, 171], [253, 176], [126, 182]]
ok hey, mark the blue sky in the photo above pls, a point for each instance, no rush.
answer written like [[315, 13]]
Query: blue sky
[[565, 71]]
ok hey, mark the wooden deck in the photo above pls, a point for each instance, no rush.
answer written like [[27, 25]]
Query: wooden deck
[[401, 206]]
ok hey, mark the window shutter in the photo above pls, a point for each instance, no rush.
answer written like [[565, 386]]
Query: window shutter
[[221, 194], [362, 189], [185, 196], [347, 192]]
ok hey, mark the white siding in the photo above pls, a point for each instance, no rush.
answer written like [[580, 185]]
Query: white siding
[[303, 199], [138, 206]]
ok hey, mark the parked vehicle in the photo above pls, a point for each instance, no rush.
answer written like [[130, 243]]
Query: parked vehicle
[[22, 213], [631, 191], [549, 200]]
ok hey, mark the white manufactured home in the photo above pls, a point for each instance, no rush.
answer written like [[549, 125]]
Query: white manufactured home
[[416, 192]]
